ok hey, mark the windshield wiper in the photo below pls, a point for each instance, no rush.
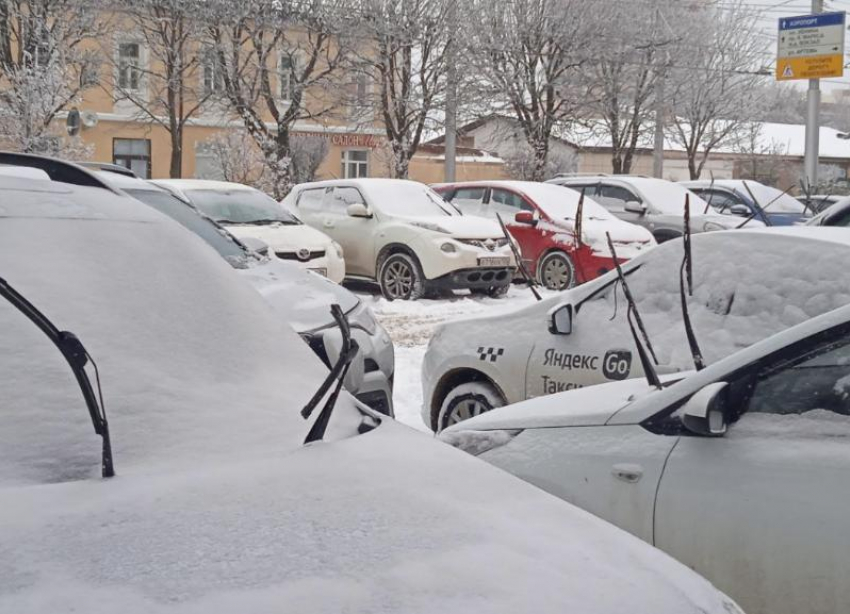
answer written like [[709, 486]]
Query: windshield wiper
[[77, 357], [518, 258], [686, 277], [337, 375]]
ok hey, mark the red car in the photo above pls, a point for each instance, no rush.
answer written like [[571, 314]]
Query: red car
[[542, 219]]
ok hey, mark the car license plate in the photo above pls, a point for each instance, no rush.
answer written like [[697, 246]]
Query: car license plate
[[322, 272], [502, 261]]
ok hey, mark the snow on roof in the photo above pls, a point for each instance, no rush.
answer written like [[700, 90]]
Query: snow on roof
[[787, 139]]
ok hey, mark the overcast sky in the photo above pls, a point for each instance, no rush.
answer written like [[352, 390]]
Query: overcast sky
[[772, 10]]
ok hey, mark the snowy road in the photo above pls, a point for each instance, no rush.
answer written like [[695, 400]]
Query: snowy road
[[411, 324]]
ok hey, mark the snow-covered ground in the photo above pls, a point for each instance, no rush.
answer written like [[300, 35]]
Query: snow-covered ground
[[411, 324]]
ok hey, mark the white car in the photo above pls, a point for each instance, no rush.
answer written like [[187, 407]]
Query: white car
[[301, 298], [748, 285], [739, 471], [216, 505], [247, 212], [406, 237]]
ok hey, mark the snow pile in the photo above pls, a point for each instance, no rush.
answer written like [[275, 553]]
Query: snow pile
[[477, 442]]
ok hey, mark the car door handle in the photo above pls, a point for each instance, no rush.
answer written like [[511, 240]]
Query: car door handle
[[627, 472]]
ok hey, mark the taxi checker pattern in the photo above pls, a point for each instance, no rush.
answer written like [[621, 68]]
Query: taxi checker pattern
[[490, 353]]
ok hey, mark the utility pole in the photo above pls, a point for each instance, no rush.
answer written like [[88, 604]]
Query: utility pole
[[658, 148], [812, 122], [450, 141]]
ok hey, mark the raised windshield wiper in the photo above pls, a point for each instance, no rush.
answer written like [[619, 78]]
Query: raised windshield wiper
[[518, 258], [77, 357], [337, 375], [686, 278]]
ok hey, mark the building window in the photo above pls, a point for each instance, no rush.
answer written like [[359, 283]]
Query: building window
[[212, 72], [129, 66], [134, 154], [286, 74], [355, 163]]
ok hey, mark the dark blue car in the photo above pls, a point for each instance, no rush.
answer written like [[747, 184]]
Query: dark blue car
[[764, 203]]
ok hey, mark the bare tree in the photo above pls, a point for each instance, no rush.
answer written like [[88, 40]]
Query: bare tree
[[526, 55], [178, 76], [44, 68], [279, 59], [717, 80], [521, 163], [404, 56], [308, 153], [761, 160]]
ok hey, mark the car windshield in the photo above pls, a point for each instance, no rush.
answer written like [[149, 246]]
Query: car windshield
[[774, 200], [668, 197], [409, 199], [240, 207], [560, 203], [218, 238]]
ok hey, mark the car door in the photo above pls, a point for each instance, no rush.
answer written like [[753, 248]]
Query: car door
[[762, 512], [720, 200], [355, 234], [507, 204], [310, 205]]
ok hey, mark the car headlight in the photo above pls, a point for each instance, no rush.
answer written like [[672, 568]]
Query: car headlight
[[430, 226], [362, 317], [449, 248], [337, 248], [709, 226]]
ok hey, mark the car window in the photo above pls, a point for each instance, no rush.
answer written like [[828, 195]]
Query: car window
[[341, 197], [614, 197], [817, 380], [719, 200], [240, 206], [839, 219], [509, 202], [470, 200], [311, 200]]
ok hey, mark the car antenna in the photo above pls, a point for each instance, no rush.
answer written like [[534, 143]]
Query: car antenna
[[338, 372], [77, 357], [752, 215], [518, 258], [686, 278], [635, 324], [710, 194]]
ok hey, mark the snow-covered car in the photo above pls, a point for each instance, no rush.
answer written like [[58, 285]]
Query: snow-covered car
[[301, 298], [819, 202], [748, 198], [837, 214], [216, 504], [739, 471], [656, 204], [748, 285], [406, 237], [542, 219], [247, 212]]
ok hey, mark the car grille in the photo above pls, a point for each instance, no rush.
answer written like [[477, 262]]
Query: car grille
[[488, 244], [302, 255]]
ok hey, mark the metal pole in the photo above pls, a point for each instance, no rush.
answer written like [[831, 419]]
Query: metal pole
[[658, 149], [450, 169], [812, 122]]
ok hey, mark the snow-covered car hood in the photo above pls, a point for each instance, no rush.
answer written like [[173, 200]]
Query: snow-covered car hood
[[462, 226], [281, 237], [300, 297], [327, 529]]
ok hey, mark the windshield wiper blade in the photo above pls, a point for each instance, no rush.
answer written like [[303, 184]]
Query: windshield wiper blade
[[337, 375], [686, 278], [77, 357], [518, 258]]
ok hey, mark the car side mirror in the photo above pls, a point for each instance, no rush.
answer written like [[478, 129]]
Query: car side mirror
[[561, 320], [705, 412], [257, 246], [739, 209], [525, 217], [633, 206], [357, 210]]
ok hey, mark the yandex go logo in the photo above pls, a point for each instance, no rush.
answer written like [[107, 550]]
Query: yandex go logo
[[617, 364]]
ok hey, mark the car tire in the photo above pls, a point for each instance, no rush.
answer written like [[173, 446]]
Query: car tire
[[400, 277], [466, 401], [556, 271]]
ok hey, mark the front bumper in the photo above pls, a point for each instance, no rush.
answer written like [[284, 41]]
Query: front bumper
[[474, 278], [323, 261]]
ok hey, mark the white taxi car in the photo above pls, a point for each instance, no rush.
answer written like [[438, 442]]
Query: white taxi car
[[403, 235], [248, 213], [748, 284], [739, 471]]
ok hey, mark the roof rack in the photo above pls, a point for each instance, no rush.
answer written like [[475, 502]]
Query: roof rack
[[111, 168], [564, 175], [58, 170]]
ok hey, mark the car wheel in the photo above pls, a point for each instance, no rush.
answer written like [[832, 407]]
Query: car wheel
[[467, 401], [400, 277], [557, 271]]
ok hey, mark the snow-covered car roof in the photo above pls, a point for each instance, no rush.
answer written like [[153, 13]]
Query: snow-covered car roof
[[216, 506], [202, 184], [665, 195]]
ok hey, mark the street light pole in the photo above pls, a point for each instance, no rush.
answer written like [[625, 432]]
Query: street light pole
[[812, 122]]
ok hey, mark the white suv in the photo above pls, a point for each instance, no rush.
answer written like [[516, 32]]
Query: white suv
[[248, 213], [406, 237]]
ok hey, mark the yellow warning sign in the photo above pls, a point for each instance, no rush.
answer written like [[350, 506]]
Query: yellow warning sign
[[813, 67]]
